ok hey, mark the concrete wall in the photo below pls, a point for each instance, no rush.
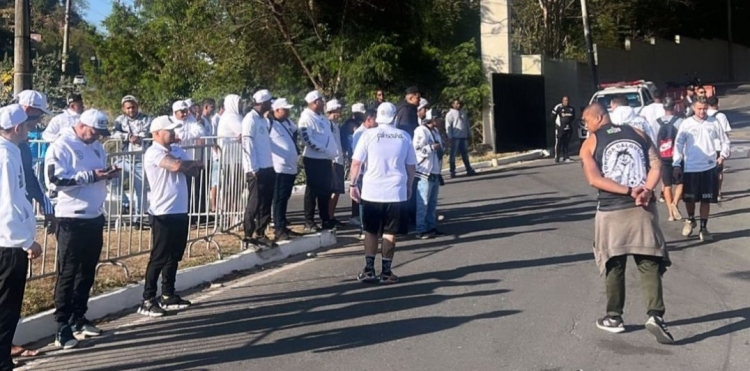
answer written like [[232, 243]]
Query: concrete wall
[[665, 61], [496, 54]]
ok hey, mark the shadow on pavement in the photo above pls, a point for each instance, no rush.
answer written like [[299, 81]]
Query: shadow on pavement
[[743, 314], [235, 333]]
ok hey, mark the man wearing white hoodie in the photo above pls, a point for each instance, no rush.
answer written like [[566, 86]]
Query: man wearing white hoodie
[[76, 165], [230, 176], [65, 120], [320, 150], [696, 145], [17, 227], [257, 163], [622, 114]]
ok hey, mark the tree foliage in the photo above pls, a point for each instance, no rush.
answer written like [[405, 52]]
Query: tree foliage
[[171, 49]]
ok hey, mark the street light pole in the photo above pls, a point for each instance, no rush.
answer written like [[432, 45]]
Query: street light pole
[[66, 37], [730, 42], [21, 54], [589, 45]]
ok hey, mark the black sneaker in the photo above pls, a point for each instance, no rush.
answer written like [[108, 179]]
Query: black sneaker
[[453, 175], [437, 233], [266, 242], [367, 276], [422, 236], [64, 338], [471, 172], [84, 327], [329, 225], [336, 222], [656, 326], [150, 308], [611, 324], [174, 302], [282, 236]]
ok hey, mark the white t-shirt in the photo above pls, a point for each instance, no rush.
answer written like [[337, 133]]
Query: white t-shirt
[[168, 190], [256, 143], [283, 147], [386, 152]]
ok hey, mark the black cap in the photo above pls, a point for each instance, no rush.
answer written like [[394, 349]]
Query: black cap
[[412, 90], [74, 98]]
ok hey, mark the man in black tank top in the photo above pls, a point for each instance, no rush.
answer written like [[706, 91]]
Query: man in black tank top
[[623, 165]]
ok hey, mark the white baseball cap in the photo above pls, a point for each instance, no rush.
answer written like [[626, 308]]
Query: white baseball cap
[[423, 103], [281, 103], [97, 120], [129, 98], [163, 123], [358, 107], [313, 96], [386, 113], [179, 106], [261, 96], [333, 105], [12, 116], [33, 98], [189, 102]]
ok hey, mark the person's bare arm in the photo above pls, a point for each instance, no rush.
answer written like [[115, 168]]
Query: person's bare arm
[[176, 165], [593, 173]]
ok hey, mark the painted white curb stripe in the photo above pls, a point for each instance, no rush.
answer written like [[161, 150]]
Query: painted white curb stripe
[[43, 324]]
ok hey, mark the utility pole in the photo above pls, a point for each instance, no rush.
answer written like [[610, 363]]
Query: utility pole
[[730, 42], [66, 37], [589, 45], [22, 46]]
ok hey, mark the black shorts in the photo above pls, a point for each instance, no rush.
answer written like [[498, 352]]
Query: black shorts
[[667, 174], [337, 181], [700, 187], [380, 217]]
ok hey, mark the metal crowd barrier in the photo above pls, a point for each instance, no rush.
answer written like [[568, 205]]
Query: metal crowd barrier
[[217, 203]]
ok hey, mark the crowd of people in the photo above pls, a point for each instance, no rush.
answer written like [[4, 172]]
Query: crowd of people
[[625, 158], [393, 157]]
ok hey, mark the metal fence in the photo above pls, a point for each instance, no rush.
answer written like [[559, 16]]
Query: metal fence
[[217, 203]]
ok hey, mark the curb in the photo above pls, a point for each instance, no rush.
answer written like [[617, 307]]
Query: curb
[[42, 325], [528, 156]]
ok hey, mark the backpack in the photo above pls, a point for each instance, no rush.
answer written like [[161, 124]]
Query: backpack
[[665, 138]]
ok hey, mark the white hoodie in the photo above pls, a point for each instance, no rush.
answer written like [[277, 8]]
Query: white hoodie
[[59, 123], [229, 130], [697, 142], [17, 222], [70, 171], [317, 136], [625, 115]]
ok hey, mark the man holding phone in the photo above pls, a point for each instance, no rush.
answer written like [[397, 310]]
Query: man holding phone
[[76, 166]]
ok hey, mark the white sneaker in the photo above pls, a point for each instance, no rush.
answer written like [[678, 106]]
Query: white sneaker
[[676, 212], [687, 230]]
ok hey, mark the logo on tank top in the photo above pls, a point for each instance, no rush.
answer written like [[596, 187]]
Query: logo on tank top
[[624, 163]]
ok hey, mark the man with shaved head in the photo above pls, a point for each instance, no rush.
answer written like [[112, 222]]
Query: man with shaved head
[[622, 163]]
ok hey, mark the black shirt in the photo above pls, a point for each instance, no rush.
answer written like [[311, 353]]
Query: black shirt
[[622, 156], [566, 114]]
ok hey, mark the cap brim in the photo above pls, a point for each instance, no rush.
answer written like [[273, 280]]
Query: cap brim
[[103, 132], [288, 106], [45, 110], [384, 120]]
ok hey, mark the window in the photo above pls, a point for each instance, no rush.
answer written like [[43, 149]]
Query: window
[[634, 99]]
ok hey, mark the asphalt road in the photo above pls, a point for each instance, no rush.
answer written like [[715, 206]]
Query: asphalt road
[[513, 287]]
